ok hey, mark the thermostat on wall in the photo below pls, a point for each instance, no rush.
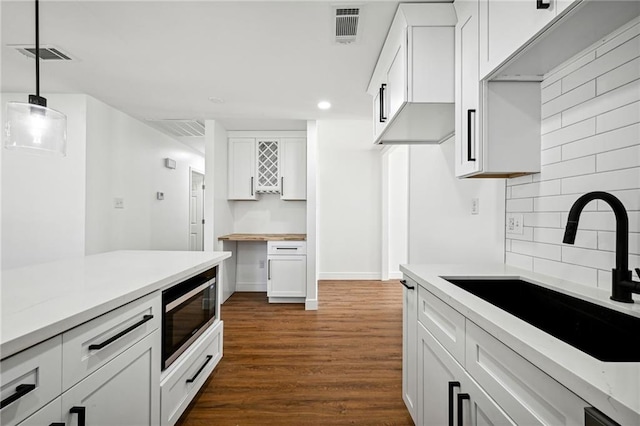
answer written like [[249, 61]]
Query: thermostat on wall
[[170, 163]]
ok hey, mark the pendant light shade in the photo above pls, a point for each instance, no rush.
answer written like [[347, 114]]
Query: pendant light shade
[[36, 129], [32, 126]]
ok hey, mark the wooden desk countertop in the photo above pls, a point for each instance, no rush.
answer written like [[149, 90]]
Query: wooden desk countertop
[[263, 237]]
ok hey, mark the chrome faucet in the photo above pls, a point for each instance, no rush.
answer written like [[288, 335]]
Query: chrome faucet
[[622, 284]]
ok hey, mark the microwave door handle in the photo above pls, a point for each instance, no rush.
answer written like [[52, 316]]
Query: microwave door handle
[[180, 300]]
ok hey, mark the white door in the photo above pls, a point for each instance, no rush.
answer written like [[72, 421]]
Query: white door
[[196, 212]]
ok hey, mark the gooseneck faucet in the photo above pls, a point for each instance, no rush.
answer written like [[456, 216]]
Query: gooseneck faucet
[[622, 284]]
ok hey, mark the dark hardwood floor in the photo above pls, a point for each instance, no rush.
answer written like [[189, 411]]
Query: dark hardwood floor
[[283, 365]]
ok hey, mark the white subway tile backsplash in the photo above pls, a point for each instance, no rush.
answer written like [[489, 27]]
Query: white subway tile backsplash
[[618, 159], [552, 91], [605, 181], [616, 98], [569, 99], [519, 180], [604, 279], [520, 205], [543, 220], [546, 251], [619, 117], [565, 271], [551, 123], [587, 257], [550, 156], [575, 167], [604, 220], [619, 39], [603, 64], [585, 239], [536, 189], [507, 245], [527, 235], [620, 76], [567, 134], [558, 203], [630, 199], [615, 139], [566, 69], [519, 261], [607, 242]]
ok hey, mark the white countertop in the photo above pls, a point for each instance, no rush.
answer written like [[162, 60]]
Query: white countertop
[[41, 301], [612, 387]]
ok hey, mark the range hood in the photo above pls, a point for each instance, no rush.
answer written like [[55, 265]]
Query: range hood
[[413, 81]]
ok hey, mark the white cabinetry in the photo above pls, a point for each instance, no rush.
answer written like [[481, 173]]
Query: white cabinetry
[[242, 167], [50, 414], [293, 169], [286, 271], [410, 345]]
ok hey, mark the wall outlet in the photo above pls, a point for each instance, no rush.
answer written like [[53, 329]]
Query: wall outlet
[[475, 205], [159, 195], [515, 223], [118, 203]]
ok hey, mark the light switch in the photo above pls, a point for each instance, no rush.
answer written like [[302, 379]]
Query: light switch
[[159, 195], [118, 203]]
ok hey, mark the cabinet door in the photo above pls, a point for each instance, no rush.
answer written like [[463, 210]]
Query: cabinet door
[[446, 391], [397, 78], [287, 276], [267, 165], [48, 415], [293, 169], [242, 165], [125, 391], [410, 346], [468, 137], [506, 25]]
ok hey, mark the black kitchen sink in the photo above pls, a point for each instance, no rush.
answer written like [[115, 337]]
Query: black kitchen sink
[[603, 333]]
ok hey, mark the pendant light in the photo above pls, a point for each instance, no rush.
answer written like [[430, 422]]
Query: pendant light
[[32, 126]]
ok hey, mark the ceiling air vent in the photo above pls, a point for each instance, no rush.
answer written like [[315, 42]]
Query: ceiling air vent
[[179, 128], [346, 24], [47, 53]]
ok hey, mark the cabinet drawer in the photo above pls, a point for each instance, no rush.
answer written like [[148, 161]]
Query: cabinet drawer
[[29, 380], [286, 247], [189, 374], [47, 415], [527, 394], [444, 322], [92, 344]]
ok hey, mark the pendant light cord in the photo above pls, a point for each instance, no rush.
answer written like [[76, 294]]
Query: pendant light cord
[[37, 49]]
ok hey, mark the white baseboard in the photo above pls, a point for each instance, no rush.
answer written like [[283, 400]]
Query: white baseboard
[[395, 275], [349, 276], [311, 305], [255, 287]]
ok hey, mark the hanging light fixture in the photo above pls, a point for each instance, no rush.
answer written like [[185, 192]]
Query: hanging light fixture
[[32, 126]]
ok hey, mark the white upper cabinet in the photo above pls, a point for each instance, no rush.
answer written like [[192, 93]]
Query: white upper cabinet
[[412, 83], [293, 169], [242, 166], [267, 165]]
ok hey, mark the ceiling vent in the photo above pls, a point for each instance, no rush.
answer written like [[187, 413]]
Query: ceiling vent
[[179, 128], [346, 24], [47, 52]]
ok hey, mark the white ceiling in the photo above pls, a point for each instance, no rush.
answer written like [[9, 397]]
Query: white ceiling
[[271, 62]]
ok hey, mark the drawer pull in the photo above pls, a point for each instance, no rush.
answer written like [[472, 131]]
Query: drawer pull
[[112, 339], [82, 414], [461, 397], [193, 379], [543, 4], [57, 424], [286, 248], [451, 386], [409, 287], [21, 390]]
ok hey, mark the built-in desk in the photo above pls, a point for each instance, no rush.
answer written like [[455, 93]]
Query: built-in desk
[[271, 263]]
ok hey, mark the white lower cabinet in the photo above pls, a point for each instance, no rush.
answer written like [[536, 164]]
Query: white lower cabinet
[[125, 391], [409, 345], [188, 374], [50, 414], [286, 271], [447, 395]]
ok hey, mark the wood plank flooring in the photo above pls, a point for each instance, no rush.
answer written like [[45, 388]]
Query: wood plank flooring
[[283, 365]]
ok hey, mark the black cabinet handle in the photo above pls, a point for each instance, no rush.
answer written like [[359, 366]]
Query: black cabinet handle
[[81, 412], [193, 379], [461, 397], [383, 118], [404, 283], [252, 186], [21, 390], [269, 269], [542, 4], [451, 386], [57, 424], [282, 186], [470, 125], [112, 339]]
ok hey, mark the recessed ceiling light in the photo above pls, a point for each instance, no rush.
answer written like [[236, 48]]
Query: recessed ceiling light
[[216, 100], [324, 105]]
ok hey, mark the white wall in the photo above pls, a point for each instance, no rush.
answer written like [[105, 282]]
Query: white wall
[[43, 198], [348, 203], [590, 142], [397, 162], [269, 215], [441, 226], [125, 159]]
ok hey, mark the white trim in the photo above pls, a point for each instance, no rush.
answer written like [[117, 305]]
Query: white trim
[[395, 275], [311, 305], [193, 170], [253, 287], [267, 133], [349, 276], [384, 206], [311, 302]]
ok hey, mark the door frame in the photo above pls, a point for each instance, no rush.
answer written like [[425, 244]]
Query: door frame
[[193, 170]]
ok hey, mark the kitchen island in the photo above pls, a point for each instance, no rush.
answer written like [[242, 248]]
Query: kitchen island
[[516, 372], [99, 317]]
